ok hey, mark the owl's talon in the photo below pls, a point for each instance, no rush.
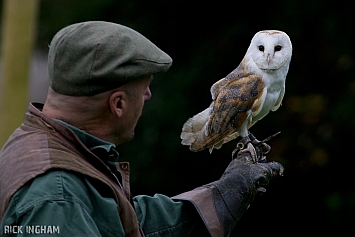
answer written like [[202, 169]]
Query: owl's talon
[[247, 148], [241, 145], [262, 160], [257, 149]]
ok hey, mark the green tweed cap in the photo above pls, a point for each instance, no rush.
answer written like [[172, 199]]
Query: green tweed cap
[[92, 57]]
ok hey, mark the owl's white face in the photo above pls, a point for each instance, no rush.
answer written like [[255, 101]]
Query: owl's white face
[[270, 49]]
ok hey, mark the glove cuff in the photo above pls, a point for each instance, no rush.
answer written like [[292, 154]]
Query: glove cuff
[[203, 200], [231, 200]]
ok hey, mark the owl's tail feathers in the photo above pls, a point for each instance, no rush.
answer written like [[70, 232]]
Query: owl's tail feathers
[[193, 127]]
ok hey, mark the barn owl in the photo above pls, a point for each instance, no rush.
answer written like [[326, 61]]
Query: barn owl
[[245, 95]]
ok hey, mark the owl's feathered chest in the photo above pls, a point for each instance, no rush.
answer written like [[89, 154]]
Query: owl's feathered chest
[[274, 89]]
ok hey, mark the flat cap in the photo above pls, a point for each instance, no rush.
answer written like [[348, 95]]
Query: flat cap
[[92, 57]]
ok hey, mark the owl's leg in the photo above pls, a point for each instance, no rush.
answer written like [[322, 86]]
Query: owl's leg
[[261, 148], [243, 129], [258, 149]]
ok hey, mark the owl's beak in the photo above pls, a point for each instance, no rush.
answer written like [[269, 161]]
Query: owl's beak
[[268, 59]]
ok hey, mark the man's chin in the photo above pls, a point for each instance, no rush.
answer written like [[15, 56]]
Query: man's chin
[[127, 139], [131, 137]]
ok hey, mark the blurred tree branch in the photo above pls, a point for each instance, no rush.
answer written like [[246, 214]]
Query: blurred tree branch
[[18, 33]]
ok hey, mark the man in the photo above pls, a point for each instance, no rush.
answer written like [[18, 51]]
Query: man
[[60, 172]]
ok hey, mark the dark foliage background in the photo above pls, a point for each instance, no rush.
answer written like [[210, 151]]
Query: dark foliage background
[[207, 40]]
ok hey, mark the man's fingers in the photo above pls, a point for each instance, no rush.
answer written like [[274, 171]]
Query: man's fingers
[[276, 167]]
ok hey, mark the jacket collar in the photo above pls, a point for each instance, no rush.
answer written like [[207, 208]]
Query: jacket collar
[[102, 149]]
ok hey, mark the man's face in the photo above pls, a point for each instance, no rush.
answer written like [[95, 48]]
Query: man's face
[[137, 93]]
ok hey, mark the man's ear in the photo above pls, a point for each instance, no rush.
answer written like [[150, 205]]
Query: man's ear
[[117, 103]]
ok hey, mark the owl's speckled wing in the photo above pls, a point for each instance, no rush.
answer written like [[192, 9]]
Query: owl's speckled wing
[[233, 103]]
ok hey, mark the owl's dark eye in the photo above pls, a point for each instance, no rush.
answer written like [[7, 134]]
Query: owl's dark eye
[[278, 48], [261, 48]]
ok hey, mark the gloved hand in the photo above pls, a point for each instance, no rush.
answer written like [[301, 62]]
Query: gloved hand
[[242, 179], [223, 202]]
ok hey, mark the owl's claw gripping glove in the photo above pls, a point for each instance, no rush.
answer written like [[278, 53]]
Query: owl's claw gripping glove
[[258, 150], [222, 203]]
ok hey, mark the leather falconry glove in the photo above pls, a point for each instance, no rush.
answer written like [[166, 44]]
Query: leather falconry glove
[[231, 195], [245, 175]]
